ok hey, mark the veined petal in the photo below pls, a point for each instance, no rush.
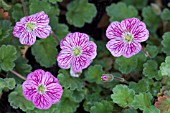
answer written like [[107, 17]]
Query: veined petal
[[89, 50], [67, 42], [80, 62], [19, 30], [48, 78], [29, 89], [40, 18], [131, 49], [115, 47], [36, 76], [54, 91], [128, 24], [64, 59], [114, 31], [79, 39], [42, 101], [27, 38], [140, 32], [42, 32]]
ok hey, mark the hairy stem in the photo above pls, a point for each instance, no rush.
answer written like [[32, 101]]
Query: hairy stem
[[17, 74], [52, 33], [24, 8]]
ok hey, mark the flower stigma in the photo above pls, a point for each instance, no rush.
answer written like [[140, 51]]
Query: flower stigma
[[30, 26], [41, 89]]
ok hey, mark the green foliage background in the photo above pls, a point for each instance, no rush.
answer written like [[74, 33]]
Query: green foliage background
[[139, 82]]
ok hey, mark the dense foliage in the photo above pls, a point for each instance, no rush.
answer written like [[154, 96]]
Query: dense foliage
[[138, 84]]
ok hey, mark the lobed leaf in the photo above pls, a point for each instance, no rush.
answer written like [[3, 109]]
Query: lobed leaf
[[80, 12], [126, 65], [17, 100], [165, 43], [94, 73], [122, 95], [165, 67], [7, 57], [102, 107], [142, 101], [150, 70], [68, 81], [22, 67], [124, 11], [45, 51], [152, 50]]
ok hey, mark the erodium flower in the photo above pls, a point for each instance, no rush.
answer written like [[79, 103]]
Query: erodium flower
[[42, 88], [77, 52], [126, 36], [32, 26]]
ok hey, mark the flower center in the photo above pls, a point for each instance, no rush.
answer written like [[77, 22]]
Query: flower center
[[76, 51], [41, 89], [128, 36], [30, 26]]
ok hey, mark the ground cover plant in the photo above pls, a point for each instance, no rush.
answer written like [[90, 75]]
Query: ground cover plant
[[84, 56]]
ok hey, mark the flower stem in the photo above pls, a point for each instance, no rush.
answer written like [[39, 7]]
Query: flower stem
[[24, 7], [52, 33], [146, 53], [121, 80], [17, 74]]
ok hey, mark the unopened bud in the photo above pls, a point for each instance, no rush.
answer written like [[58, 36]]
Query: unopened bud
[[107, 77]]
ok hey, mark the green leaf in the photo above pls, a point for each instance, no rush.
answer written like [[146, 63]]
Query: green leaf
[[102, 51], [151, 109], [17, 12], [68, 81], [17, 100], [122, 11], [126, 65], [141, 59], [52, 109], [152, 50], [6, 28], [106, 66], [67, 103], [22, 67], [55, 1], [90, 100], [6, 84], [139, 4], [150, 18], [94, 73], [42, 5], [141, 86], [142, 100], [165, 15], [8, 54], [165, 43], [122, 95], [61, 30], [45, 51], [150, 69], [80, 12], [130, 111], [165, 67], [102, 107], [78, 95]]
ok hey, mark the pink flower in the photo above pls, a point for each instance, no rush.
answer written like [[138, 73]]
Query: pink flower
[[77, 52], [42, 88], [126, 37], [31, 26]]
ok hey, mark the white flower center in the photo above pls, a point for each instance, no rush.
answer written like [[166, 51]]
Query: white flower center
[[128, 37], [30, 26], [76, 51], [41, 89]]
